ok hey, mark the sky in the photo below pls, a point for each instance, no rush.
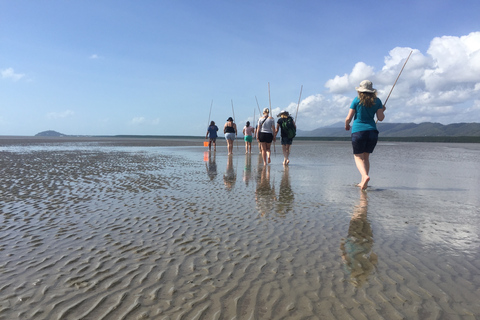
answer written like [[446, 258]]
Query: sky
[[168, 67]]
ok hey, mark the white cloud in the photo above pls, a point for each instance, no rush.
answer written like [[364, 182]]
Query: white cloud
[[9, 73], [317, 110], [441, 86], [139, 121], [94, 56], [344, 83], [60, 115]]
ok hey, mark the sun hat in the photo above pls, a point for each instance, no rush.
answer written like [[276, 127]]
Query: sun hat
[[230, 119], [366, 86], [283, 112], [266, 110]]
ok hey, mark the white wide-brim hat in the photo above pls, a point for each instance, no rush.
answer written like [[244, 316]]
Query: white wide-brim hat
[[366, 86]]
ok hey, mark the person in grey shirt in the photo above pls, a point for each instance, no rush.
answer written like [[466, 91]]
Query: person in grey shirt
[[265, 135]]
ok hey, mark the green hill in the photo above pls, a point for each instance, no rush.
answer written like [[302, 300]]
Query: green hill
[[425, 129]]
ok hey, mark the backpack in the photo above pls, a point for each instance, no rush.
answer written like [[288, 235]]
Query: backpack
[[289, 128]]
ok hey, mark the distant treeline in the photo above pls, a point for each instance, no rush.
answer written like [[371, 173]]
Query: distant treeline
[[380, 138], [410, 130]]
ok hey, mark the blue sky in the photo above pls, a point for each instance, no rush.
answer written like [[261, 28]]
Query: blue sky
[[154, 67]]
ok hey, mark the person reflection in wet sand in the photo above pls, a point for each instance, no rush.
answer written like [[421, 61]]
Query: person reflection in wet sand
[[230, 175], [247, 171], [358, 258], [285, 194], [265, 193], [211, 167]]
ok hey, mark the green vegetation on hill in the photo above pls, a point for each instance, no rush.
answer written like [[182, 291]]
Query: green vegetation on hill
[[50, 133], [404, 130], [400, 139]]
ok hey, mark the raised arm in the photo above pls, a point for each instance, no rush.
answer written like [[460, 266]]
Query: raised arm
[[381, 114]]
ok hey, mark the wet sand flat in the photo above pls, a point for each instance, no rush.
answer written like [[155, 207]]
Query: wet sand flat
[[150, 229]]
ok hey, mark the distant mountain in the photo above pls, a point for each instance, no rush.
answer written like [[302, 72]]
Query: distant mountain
[[428, 129], [50, 133]]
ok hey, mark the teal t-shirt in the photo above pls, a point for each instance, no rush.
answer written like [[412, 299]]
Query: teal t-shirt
[[364, 118]]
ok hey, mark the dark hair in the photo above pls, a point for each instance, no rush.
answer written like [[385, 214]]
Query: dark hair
[[248, 123], [212, 123]]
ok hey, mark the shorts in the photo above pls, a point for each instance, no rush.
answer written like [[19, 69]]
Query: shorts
[[265, 137], [230, 136], [213, 139], [286, 140], [364, 141], [248, 138]]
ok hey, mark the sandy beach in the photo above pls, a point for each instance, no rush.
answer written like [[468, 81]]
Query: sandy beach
[[152, 228]]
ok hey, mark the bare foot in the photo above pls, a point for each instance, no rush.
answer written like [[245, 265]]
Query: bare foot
[[269, 160], [364, 184], [287, 162]]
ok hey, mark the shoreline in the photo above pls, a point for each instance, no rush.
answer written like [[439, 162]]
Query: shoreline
[[149, 140]]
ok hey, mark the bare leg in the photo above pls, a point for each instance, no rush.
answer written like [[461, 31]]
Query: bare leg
[[230, 146], [268, 152], [286, 153], [363, 165], [263, 150], [246, 147]]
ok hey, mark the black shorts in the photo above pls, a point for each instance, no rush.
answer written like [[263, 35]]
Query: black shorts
[[265, 137], [364, 141], [286, 141]]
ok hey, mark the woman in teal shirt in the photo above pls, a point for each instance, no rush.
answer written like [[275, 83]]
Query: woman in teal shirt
[[364, 130]]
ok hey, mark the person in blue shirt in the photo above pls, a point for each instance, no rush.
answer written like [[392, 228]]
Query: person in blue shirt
[[212, 132], [363, 110]]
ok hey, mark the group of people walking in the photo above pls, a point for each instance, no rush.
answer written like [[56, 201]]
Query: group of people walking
[[363, 110], [265, 133]]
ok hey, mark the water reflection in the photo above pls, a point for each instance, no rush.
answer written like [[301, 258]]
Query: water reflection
[[247, 171], [358, 258], [265, 192], [285, 193], [210, 165], [230, 175]]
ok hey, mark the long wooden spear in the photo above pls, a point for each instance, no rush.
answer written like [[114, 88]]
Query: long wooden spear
[[259, 112], [299, 98], [396, 81], [397, 78], [269, 100], [270, 107], [253, 124], [259, 115], [210, 113], [233, 111], [206, 144]]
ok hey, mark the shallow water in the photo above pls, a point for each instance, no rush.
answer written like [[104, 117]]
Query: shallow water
[[90, 231]]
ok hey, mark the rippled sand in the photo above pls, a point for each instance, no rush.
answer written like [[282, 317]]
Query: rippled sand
[[130, 230]]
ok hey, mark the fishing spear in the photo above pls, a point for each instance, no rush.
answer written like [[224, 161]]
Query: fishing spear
[[396, 80]]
